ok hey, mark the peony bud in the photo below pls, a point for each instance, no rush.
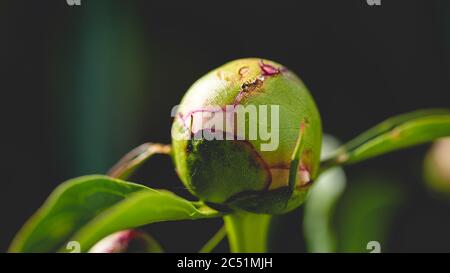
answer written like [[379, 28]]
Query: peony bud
[[126, 241], [437, 166], [234, 134]]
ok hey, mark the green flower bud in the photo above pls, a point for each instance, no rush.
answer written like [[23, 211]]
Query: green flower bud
[[257, 107], [127, 241]]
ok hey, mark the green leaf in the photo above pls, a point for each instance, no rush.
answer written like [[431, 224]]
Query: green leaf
[[83, 206], [393, 134], [142, 208]]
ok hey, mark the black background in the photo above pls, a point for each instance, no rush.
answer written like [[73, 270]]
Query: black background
[[362, 64]]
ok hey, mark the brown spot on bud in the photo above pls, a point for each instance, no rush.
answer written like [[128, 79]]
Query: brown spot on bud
[[243, 71]]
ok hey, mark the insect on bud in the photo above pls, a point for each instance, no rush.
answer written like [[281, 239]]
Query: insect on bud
[[234, 134]]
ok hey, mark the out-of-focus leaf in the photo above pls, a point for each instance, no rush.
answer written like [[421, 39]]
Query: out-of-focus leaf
[[319, 208], [86, 206], [393, 134], [366, 211]]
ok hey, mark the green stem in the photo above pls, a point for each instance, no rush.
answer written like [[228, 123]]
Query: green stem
[[214, 241], [128, 164], [247, 232]]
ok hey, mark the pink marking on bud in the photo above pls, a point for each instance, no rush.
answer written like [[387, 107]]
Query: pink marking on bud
[[126, 236], [268, 70], [115, 243]]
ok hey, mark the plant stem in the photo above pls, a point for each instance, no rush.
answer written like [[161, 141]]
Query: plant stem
[[214, 241], [247, 232], [135, 158]]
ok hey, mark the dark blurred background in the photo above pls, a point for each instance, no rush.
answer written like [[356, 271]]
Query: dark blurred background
[[82, 85]]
